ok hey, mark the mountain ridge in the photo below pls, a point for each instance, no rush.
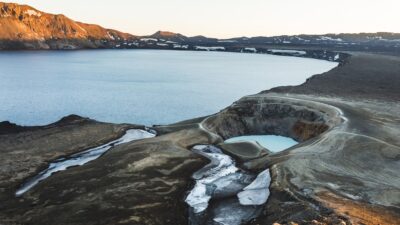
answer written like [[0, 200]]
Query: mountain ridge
[[23, 23], [24, 27]]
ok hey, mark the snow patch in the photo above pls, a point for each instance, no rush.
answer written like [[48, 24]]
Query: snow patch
[[181, 46], [221, 165], [257, 192], [162, 44], [216, 48], [284, 51], [110, 36], [82, 158], [325, 38], [250, 50], [32, 12], [227, 41], [134, 44], [148, 39]]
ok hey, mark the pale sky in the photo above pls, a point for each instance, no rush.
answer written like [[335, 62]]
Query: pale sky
[[231, 18]]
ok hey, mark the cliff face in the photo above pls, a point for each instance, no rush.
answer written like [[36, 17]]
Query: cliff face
[[22, 26]]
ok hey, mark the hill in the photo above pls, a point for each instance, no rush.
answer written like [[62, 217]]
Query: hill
[[24, 27]]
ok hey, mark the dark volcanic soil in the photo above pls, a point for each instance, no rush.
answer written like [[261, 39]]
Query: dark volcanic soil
[[359, 77], [141, 182], [26, 150], [344, 171]]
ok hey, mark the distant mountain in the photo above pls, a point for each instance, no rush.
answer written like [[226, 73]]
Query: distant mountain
[[169, 36], [382, 38], [22, 26], [179, 38], [202, 39]]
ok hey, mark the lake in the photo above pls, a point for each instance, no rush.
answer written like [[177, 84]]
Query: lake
[[138, 86], [274, 143]]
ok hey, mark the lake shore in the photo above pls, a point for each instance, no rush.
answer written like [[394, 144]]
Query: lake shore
[[346, 121], [129, 86]]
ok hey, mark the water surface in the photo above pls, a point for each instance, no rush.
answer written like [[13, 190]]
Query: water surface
[[273, 143], [137, 86]]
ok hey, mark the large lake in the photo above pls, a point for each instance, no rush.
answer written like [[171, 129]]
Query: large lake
[[137, 86]]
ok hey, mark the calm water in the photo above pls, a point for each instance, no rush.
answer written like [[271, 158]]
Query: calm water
[[137, 86], [273, 143]]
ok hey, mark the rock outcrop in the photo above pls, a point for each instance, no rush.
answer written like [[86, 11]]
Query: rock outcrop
[[23, 27]]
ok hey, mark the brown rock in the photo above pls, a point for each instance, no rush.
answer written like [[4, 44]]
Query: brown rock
[[24, 26]]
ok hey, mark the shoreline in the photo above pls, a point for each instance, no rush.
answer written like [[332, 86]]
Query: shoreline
[[263, 70], [16, 125], [314, 176], [318, 54]]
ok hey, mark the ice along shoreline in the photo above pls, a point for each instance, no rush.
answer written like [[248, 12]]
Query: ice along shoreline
[[81, 158]]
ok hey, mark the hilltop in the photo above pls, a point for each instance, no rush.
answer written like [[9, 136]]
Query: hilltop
[[23, 27]]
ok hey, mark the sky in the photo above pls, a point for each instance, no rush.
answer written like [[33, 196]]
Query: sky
[[231, 18]]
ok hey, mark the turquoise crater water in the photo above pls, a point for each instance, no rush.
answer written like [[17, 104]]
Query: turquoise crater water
[[273, 143], [137, 86]]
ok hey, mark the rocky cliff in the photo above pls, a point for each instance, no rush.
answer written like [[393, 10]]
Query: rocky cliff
[[23, 27]]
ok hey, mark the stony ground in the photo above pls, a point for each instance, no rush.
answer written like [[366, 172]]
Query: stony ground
[[344, 171]]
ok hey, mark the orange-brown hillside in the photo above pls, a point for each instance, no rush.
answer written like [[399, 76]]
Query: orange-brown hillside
[[24, 23]]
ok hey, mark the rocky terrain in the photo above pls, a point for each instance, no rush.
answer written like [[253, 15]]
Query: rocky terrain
[[354, 78], [344, 171], [23, 27]]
